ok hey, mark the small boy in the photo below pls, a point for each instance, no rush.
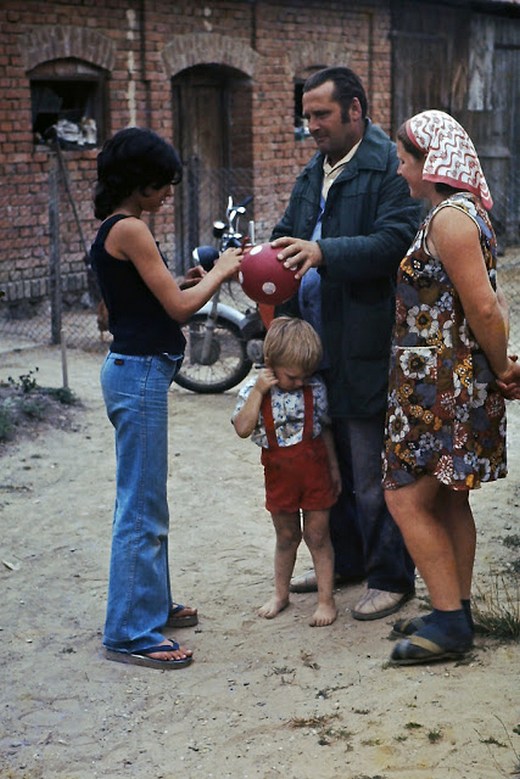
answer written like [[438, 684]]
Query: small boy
[[284, 410]]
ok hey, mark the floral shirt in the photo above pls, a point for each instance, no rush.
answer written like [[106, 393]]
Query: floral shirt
[[445, 415], [288, 412]]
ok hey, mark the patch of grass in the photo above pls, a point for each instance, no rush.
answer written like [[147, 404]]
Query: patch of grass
[[318, 721], [63, 395], [33, 407], [492, 741], [327, 733], [497, 611], [24, 406], [6, 422]]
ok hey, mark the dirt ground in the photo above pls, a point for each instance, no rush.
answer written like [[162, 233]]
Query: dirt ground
[[264, 698]]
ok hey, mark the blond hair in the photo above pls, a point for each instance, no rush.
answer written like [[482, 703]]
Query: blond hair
[[294, 343]]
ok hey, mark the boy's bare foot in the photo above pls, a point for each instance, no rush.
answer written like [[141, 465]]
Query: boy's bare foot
[[324, 615], [273, 607]]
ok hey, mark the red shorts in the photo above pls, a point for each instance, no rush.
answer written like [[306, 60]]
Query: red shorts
[[298, 477]]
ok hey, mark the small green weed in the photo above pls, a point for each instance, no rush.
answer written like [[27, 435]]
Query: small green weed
[[26, 382], [412, 726], [434, 735]]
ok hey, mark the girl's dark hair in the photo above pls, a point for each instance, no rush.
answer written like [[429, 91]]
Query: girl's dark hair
[[132, 159], [347, 85]]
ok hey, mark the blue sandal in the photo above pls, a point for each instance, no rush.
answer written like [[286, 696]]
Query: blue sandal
[[142, 657], [175, 621], [429, 645], [407, 627]]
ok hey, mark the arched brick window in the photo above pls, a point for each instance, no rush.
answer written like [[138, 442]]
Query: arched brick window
[[300, 124], [68, 99]]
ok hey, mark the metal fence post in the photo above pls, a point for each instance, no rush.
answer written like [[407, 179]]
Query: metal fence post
[[55, 259]]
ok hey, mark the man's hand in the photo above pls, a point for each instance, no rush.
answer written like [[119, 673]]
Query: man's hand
[[297, 253]]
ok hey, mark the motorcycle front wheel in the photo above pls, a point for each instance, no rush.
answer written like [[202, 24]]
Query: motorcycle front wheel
[[215, 360]]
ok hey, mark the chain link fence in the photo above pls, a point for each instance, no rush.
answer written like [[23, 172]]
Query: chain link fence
[[52, 297], [67, 311]]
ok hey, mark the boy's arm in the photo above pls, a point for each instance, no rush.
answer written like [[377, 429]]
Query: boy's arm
[[333, 460], [246, 419]]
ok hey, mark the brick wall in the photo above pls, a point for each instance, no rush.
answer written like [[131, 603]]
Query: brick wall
[[270, 42]]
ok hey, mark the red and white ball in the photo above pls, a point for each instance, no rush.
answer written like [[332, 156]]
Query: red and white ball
[[264, 278]]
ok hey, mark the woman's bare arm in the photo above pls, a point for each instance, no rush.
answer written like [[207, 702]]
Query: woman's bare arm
[[131, 239]]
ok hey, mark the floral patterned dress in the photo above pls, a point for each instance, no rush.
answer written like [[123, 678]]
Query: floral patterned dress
[[445, 415]]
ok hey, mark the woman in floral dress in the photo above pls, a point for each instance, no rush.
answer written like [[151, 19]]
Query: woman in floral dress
[[446, 424]]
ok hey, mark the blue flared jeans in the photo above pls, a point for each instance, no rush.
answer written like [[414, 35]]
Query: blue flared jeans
[[135, 390]]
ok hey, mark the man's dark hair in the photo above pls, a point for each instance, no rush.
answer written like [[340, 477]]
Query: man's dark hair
[[347, 85]]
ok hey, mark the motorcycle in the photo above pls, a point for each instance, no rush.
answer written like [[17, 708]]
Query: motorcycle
[[222, 342]]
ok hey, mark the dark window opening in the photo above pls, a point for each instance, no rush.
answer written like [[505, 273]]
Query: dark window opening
[[70, 111], [300, 124]]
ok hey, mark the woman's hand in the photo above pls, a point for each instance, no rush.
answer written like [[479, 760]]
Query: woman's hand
[[509, 381]]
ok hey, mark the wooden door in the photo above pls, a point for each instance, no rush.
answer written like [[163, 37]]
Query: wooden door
[[201, 124], [467, 64], [212, 123]]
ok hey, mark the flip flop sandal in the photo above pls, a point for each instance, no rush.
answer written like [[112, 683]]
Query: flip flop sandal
[[417, 649], [176, 621], [407, 627], [142, 657]]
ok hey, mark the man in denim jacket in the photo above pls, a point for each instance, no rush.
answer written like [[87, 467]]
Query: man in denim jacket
[[349, 221]]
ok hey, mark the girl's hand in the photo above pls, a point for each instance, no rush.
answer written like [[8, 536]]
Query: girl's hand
[[229, 262], [193, 276]]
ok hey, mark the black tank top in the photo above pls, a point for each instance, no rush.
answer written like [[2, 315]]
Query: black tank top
[[137, 320]]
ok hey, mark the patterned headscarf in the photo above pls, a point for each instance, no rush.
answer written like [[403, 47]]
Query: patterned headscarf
[[450, 154]]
